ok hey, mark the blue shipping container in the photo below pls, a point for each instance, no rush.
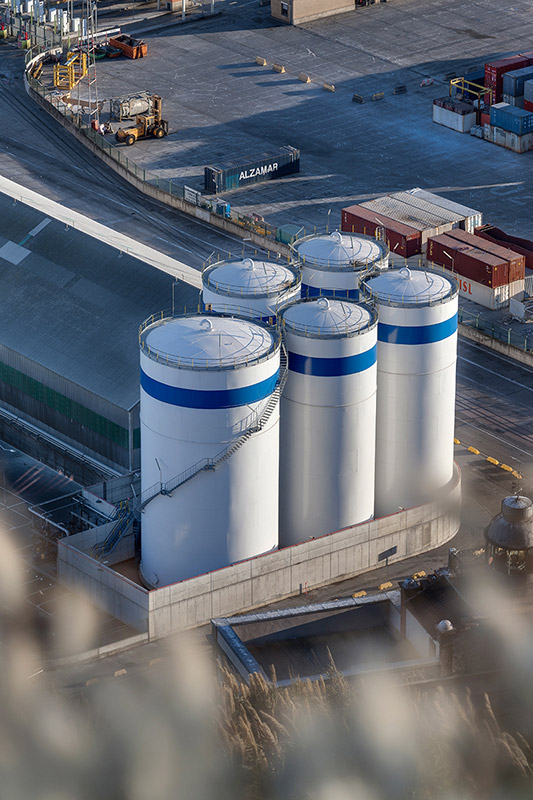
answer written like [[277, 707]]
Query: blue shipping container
[[510, 118], [513, 82]]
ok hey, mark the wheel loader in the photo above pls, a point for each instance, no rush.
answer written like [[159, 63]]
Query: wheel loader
[[146, 125]]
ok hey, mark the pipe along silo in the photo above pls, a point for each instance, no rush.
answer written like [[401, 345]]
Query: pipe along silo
[[333, 263], [328, 417], [209, 444], [417, 355], [247, 283]]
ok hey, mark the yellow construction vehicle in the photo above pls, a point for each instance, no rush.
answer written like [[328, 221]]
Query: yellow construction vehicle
[[149, 124]]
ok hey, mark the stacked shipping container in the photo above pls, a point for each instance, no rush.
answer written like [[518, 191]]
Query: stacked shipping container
[[495, 70], [528, 95], [512, 119], [454, 114], [489, 273], [402, 239]]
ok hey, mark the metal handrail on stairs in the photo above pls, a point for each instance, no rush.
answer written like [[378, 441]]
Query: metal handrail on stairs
[[212, 463], [123, 522]]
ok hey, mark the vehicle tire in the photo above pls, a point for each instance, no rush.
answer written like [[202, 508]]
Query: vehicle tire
[[159, 133], [130, 139]]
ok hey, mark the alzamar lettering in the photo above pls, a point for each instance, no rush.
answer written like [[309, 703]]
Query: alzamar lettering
[[253, 172]]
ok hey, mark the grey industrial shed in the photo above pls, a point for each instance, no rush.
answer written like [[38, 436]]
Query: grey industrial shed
[[70, 312]]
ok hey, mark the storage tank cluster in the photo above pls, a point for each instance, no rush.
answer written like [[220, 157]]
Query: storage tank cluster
[[332, 264], [249, 284], [257, 450]]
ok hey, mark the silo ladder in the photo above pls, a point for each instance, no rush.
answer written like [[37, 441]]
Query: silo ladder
[[212, 463]]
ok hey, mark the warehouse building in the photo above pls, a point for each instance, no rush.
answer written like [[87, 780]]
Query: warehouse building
[[72, 303]]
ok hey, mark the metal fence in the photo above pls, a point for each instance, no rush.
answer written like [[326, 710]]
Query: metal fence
[[503, 333], [171, 186]]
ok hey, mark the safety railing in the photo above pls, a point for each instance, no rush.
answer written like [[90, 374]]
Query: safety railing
[[170, 186], [423, 299], [502, 333], [268, 279], [204, 464], [332, 330], [228, 362], [352, 261]]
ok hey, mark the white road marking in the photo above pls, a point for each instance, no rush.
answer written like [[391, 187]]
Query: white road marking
[[497, 374]]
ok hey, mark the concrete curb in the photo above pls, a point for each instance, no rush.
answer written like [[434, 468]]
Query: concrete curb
[[158, 194], [97, 652], [475, 335]]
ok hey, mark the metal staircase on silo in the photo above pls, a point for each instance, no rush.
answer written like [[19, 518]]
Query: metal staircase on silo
[[212, 463], [124, 521]]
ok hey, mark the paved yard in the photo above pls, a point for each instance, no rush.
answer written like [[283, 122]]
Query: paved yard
[[221, 105]]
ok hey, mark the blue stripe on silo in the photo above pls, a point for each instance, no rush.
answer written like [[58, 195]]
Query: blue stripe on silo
[[417, 334], [202, 398], [318, 291], [332, 367]]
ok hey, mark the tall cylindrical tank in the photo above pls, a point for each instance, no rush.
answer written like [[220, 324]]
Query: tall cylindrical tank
[[417, 353], [206, 381], [328, 417], [333, 263], [247, 283]]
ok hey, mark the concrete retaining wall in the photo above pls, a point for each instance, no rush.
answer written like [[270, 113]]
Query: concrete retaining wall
[[158, 194], [103, 586], [314, 563], [509, 350], [261, 580]]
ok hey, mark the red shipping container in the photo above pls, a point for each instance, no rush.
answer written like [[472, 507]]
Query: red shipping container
[[402, 239], [528, 105], [529, 56], [495, 70], [515, 243], [485, 119], [516, 262], [467, 261]]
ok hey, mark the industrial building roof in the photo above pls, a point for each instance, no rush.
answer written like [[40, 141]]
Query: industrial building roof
[[72, 302], [416, 213]]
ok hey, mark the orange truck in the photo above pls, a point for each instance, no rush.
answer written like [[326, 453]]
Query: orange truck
[[132, 48]]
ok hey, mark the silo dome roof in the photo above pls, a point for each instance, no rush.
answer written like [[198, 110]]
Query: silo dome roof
[[407, 286], [248, 277], [207, 341], [336, 250], [328, 317], [512, 528]]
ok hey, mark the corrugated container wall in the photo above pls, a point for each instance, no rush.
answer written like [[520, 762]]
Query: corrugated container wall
[[513, 82], [456, 118], [481, 267], [265, 166], [515, 260], [402, 239], [513, 101], [495, 70], [471, 219], [528, 91], [512, 119], [429, 219]]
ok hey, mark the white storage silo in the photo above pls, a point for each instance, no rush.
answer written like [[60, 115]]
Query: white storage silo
[[417, 354], [333, 263], [207, 381], [249, 284], [328, 417]]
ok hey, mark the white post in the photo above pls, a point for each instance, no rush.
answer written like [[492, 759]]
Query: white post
[[183, 6]]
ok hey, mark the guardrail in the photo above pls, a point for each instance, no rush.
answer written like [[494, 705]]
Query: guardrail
[[172, 187], [499, 332]]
